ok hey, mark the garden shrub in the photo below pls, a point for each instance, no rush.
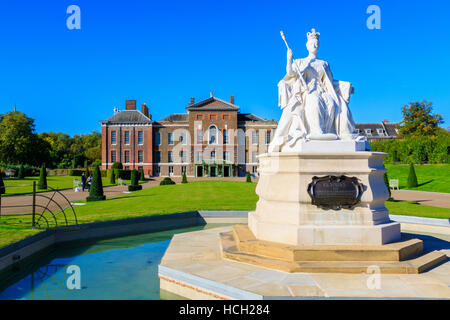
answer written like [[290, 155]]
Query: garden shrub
[[21, 173], [166, 181], [42, 184], [412, 178], [96, 190], [2, 185], [249, 178], [134, 186], [112, 178], [184, 180], [75, 172]]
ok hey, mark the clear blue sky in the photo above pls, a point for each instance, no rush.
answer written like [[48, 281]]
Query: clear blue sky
[[164, 52]]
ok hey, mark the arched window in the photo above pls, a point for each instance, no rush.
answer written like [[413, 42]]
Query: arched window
[[212, 135]]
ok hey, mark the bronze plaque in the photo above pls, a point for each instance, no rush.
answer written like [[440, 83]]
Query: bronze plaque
[[335, 192]]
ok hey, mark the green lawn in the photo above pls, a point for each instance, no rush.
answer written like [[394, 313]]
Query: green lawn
[[56, 182], [431, 177], [200, 195]]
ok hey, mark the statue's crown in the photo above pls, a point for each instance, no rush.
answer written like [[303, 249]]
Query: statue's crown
[[313, 34]]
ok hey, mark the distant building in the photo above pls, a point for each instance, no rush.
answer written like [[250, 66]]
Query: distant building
[[212, 139], [378, 131]]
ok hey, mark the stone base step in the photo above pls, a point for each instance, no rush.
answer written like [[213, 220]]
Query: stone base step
[[231, 251]]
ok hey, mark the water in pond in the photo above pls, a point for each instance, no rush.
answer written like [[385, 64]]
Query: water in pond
[[118, 268]]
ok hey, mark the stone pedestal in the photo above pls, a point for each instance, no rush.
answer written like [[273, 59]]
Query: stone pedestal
[[285, 213]]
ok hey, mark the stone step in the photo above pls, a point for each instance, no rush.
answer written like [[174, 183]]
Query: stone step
[[402, 250], [413, 266]]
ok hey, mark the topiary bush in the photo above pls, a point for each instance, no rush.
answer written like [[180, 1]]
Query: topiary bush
[[112, 178], [386, 182], [96, 190], [184, 180], [117, 165], [141, 175], [412, 178], [42, 184], [249, 177], [76, 172], [166, 181], [2, 186], [134, 186], [21, 173]]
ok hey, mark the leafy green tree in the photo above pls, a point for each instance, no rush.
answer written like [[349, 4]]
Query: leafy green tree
[[412, 178], [96, 189], [418, 120], [21, 174], [18, 141], [184, 180], [249, 178], [42, 184]]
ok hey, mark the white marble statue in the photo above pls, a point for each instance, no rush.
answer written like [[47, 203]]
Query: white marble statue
[[315, 106]]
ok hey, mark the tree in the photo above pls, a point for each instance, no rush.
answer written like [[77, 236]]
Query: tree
[[134, 186], [249, 178], [96, 190], [184, 180], [412, 178], [418, 120], [42, 184], [18, 141], [21, 174]]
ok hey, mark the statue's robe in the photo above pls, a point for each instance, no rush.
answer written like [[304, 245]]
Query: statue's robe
[[332, 98]]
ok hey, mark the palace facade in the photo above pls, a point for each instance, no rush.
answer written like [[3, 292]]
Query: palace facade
[[211, 139]]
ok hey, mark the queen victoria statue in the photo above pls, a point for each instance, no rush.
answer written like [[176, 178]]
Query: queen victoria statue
[[315, 106]]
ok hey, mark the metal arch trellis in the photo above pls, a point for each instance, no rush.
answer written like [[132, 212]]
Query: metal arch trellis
[[47, 218]]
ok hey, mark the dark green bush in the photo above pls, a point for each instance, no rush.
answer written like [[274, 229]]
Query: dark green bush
[[166, 181], [76, 172], [96, 190], [134, 188], [117, 165], [141, 175], [42, 184], [249, 177], [412, 178], [386, 182], [21, 173], [112, 178], [123, 174], [134, 181], [184, 180], [2, 186]]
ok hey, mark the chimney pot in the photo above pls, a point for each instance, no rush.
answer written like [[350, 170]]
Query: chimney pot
[[232, 99], [192, 101], [130, 104], [145, 110]]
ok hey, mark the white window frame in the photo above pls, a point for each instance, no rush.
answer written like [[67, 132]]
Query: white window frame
[[142, 138], [209, 134], [255, 134], [126, 135], [115, 137], [170, 138]]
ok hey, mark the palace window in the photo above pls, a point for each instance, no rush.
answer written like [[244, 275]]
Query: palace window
[[183, 138], [127, 156], [213, 155], [183, 156], [157, 138], [140, 137], [113, 137], [170, 157], [254, 137], [170, 171], [199, 117], [368, 131], [170, 138], [254, 153], [199, 136], [113, 156], [213, 116], [199, 156], [268, 132], [225, 136], [127, 137], [157, 156], [226, 155], [212, 135], [140, 156]]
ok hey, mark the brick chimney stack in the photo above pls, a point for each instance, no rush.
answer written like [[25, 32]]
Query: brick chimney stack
[[232, 99], [145, 110], [386, 121], [192, 101], [130, 104]]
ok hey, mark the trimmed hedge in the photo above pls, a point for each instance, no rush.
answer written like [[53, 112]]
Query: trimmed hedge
[[426, 149], [134, 186], [96, 190], [166, 181], [76, 172]]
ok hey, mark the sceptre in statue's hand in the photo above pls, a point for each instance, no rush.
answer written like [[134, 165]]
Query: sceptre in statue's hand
[[290, 58]]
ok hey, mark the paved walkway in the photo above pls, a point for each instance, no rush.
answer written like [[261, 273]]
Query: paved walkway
[[434, 199]]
